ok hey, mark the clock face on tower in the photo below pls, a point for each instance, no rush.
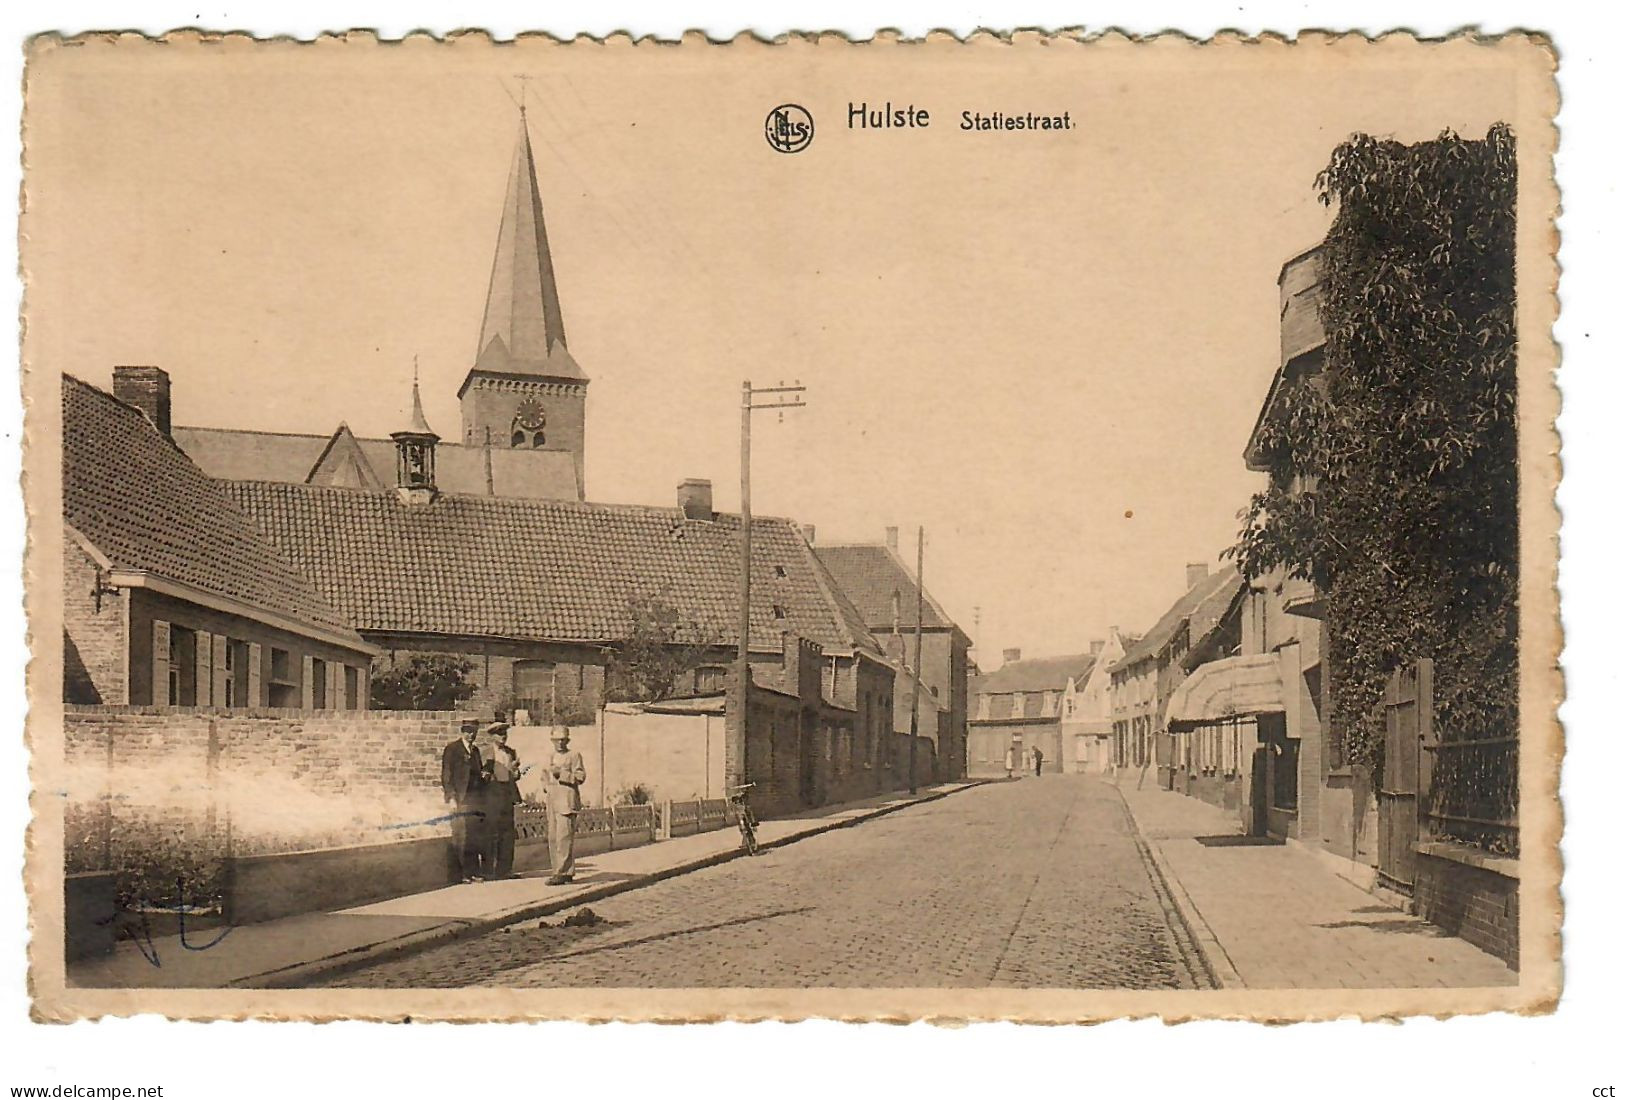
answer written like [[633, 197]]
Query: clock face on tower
[[530, 415]]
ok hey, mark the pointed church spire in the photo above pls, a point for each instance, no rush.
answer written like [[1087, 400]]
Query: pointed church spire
[[523, 328]]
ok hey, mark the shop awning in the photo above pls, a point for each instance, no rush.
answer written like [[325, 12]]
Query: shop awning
[[1235, 687]]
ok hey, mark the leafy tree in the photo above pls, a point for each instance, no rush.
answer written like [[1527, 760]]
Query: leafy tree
[[659, 652], [427, 681], [634, 794], [1394, 475]]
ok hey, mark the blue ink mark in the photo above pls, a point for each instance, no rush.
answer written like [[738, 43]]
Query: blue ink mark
[[200, 947], [441, 820]]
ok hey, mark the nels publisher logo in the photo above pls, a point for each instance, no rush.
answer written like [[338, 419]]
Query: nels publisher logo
[[789, 128]]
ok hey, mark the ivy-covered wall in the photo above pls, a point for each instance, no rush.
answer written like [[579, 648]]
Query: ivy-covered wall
[[1394, 473]]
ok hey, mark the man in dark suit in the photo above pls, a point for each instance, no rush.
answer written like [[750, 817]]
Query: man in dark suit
[[501, 795], [461, 783]]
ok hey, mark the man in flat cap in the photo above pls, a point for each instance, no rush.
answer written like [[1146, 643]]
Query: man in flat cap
[[501, 795], [461, 784], [565, 774]]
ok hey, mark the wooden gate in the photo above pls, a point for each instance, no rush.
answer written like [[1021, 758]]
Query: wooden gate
[[1408, 707]]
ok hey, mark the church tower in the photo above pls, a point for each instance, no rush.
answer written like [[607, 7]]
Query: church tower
[[524, 391]]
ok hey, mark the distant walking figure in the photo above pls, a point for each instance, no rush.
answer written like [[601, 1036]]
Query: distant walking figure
[[1038, 761], [1010, 762]]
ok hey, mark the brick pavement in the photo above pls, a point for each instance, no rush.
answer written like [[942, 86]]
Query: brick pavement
[[1039, 883], [1283, 919]]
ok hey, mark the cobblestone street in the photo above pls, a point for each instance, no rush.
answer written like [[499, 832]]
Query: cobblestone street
[[1038, 883]]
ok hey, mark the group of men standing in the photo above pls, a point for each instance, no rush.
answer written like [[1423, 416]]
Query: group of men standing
[[482, 788]]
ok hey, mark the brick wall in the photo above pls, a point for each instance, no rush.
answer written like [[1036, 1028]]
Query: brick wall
[[1470, 895], [92, 633], [771, 751], [283, 780]]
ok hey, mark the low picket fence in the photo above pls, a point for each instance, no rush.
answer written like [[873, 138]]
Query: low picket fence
[[604, 828]]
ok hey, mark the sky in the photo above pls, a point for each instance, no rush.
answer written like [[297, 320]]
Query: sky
[[1046, 349]]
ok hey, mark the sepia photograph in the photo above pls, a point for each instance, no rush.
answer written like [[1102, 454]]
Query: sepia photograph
[[1045, 527]]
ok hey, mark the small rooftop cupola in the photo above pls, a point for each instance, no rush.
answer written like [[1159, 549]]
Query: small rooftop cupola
[[414, 454]]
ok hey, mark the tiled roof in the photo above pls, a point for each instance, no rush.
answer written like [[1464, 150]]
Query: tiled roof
[[146, 506], [235, 455], [869, 574], [1213, 591], [1033, 674], [539, 570], [1001, 707]]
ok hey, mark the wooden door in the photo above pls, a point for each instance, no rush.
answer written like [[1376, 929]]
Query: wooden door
[[1408, 707]]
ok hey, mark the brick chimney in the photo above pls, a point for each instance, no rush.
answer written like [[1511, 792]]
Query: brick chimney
[[810, 533], [1011, 656], [1096, 646], [891, 539], [694, 498], [1195, 574], [147, 388], [802, 667]]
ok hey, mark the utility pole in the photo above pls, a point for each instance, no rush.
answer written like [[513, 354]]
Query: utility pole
[[888, 746], [919, 633], [734, 768]]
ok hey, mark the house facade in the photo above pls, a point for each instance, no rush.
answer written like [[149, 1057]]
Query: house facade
[[1256, 689], [1086, 709], [1151, 669], [172, 595], [1291, 779], [884, 593], [1018, 708]]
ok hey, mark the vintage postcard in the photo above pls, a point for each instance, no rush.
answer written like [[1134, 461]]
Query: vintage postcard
[[1048, 527]]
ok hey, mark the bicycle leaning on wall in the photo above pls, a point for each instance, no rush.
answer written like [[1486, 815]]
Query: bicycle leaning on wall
[[739, 799]]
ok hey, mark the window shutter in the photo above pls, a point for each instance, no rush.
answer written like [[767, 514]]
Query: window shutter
[[254, 698], [160, 662], [307, 682], [204, 681], [335, 686], [220, 643]]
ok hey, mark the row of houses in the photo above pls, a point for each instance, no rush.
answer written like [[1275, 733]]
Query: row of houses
[[215, 567], [1226, 699], [1220, 699], [1050, 709], [1102, 711]]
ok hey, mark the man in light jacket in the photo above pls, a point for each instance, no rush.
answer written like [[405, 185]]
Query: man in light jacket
[[565, 774]]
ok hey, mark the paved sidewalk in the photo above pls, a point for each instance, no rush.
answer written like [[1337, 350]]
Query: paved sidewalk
[[296, 950], [1273, 915]]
